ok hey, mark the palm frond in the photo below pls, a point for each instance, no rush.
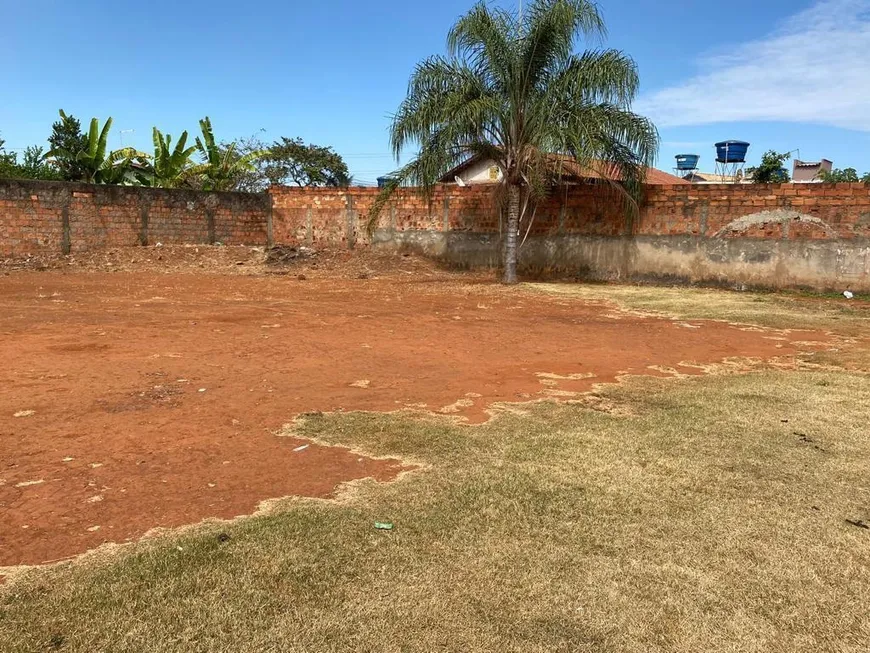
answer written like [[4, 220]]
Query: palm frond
[[484, 38], [448, 96], [549, 32], [594, 76]]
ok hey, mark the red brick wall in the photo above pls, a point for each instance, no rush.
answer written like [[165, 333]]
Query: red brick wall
[[842, 210], [324, 215], [827, 211], [52, 217], [37, 217], [27, 224]]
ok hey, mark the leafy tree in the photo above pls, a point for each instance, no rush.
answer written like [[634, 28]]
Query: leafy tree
[[249, 179], [66, 136], [33, 166], [838, 176], [169, 167], [513, 91], [771, 170], [287, 161], [291, 160], [8, 162], [221, 165]]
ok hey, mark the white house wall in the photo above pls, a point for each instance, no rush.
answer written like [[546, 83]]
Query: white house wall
[[481, 173]]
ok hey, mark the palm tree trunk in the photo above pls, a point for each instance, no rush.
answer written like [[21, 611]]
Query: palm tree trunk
[[510, 241]]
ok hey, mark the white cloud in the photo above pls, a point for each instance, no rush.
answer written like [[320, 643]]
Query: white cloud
[[814, 69]]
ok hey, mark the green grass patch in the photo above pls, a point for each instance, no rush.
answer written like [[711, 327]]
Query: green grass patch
[[694, 519], [777, 310]]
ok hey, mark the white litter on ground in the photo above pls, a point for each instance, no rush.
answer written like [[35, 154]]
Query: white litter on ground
[[29, 483]]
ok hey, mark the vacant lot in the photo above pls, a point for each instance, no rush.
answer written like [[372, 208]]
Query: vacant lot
[[715, 499]]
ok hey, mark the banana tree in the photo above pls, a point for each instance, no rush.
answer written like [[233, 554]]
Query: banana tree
[[97, 163], [222, 164], [170, 166], [119, 167]]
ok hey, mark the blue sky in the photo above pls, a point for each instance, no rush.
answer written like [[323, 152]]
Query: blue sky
[[783, 74]]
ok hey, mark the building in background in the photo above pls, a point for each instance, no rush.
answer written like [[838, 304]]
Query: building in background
[[698, 177], [480, 170], [806, 172]]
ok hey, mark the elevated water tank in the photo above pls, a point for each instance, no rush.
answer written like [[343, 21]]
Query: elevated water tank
[[687, 162], [731, 151]]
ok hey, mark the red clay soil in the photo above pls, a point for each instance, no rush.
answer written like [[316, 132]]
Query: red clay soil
[[156, 397]]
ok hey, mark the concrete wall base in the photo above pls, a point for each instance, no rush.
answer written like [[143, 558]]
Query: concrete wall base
[[730, 262]]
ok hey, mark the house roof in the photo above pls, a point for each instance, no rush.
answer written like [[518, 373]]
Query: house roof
[[810, 164], [604, 170], [710, 177], [568, 167]]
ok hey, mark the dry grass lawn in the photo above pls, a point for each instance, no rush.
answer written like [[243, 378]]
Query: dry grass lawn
[[702, 514]]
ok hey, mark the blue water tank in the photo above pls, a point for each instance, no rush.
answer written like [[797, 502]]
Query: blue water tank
[[383, 181], [687, 161], [731, 151]]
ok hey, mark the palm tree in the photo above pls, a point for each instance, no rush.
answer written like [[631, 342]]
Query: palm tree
[[98, 165], [222, 165], [512, 90], [169, 167]]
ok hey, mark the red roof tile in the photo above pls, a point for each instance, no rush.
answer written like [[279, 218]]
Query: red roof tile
[[567, 167]]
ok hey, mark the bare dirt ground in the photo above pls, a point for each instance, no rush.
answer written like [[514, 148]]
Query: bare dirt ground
[[140, 395]]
